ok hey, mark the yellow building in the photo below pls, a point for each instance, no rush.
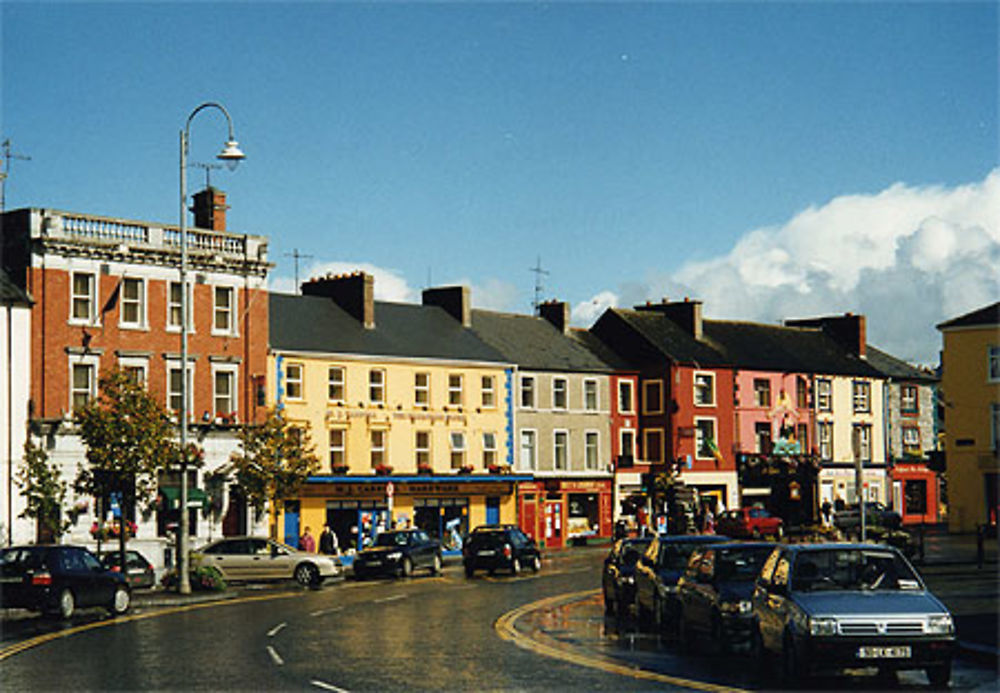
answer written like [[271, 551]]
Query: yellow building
[[970, 387], [407, 409]]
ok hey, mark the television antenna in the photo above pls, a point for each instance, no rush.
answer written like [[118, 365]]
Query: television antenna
[[539, 273], [208, 169], [296, 256], [8, 156]]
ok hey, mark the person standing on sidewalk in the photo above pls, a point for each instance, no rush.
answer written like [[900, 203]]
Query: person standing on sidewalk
[[307, 543], [328, 541]]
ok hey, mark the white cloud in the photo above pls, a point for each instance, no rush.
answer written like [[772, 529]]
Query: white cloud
[[587, 312], [390, 285], [908, 258]]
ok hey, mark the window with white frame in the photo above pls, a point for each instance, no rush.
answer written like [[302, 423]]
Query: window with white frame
[[83, 384], [422, 388], [135, 368], [489, 449], [560, 449], [175, 308], [527, 392], [422, 446], [376, 386], [457, 439], [224, 320], [83, 297], [704, 389], [862, 391], [488, 391], [911, 439], [762, 392], [591, 449], [626, 437], [908, 401], [824, 395], [626, 397], [378, 441], [652, 397], [862, 441], [705, 444], [294, 375], [335, 384], [174, 387], [993, 365], [590, 395], [133, 302], [559, 393], [824, 433], [455, 389], [224, 389], [529, 452], [338, 448]]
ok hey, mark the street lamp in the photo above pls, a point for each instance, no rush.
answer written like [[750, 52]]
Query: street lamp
[[231, 155]]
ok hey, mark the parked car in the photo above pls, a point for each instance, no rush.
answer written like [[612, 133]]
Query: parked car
[[399, 552], [826, 607], [494, 547], [714, 592], [59, 579], [657, 573], [139, 571], [260, 558], [749, 523], [849, 519], [618, 577]]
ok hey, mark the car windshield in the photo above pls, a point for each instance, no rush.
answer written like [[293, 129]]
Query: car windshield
[[675, 556], [391, 539], [742, 564], [852, 570]]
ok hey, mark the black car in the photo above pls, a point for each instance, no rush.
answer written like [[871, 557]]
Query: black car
[[399, 552], [58, 579], [657, 573], [714, 592], [139, 571], [618, 578], [494, 547]]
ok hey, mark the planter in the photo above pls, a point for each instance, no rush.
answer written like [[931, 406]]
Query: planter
[[383, 470], [423, 469], [340, 469]]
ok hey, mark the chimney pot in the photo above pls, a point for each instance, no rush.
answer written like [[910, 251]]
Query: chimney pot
[[354, 293]]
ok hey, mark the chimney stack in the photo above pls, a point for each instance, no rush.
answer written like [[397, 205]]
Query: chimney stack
[[686, 313], [453, 299], [557, 313], [354, 292], [848, 330], [210, 209]]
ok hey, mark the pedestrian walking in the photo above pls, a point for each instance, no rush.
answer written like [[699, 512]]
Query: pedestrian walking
[[328, 543], [306, 542]]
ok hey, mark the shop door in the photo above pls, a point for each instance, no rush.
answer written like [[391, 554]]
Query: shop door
[[292, 523], [553, 524], [529, 519], [492, 510]]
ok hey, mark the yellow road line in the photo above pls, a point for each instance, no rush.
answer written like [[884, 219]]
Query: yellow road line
[[505, 627], [48, 637]]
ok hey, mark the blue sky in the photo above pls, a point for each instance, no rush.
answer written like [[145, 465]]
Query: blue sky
[[777, 160]]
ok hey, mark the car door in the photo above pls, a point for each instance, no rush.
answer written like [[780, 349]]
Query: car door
[[231, 557], [421, 548], [102, 581]]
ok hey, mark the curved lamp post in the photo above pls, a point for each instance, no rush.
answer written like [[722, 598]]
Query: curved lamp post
[[231, 155]]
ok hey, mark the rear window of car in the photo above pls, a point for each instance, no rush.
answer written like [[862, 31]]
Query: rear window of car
[[740, 564], [488, 538], [392, 539], [676, 556], [23, 558]]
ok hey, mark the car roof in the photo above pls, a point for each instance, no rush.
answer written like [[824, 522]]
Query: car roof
[[692, 538], [745, 545], [849, 546]]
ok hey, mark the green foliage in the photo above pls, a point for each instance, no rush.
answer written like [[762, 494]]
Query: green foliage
[[276, 460], [43, 489], [126, 432], [203, 578]]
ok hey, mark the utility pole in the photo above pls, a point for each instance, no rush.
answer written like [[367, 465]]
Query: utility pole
[[539, 273], [8, 155], [296, 255]]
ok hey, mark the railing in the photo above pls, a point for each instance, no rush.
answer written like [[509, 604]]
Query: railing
[[206, 240], [105, 229]]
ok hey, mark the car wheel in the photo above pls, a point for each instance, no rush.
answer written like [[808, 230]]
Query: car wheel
[[755, 534], [436, 565], [406, 567], [515, 565], [66, 604], [306, 574], [939, 675], [120, 602], [536, 563]]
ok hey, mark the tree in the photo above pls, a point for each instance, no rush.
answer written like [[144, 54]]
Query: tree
[[276, 460], [43, 489], [129, 441]]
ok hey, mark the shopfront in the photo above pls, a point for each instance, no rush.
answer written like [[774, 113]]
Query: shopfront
[[915, 493], [557, 512]]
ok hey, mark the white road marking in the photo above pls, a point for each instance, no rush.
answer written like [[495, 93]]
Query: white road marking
[[275, 657], [389, 599], [277, 629], [328, 686], [321, 612]]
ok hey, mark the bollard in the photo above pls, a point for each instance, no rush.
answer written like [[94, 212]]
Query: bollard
[[979, 546]]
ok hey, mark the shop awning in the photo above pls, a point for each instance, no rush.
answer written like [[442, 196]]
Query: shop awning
[[172, 495]]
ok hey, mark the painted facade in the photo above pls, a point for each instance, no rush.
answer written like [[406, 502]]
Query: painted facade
[[970, 388], [15, 355]]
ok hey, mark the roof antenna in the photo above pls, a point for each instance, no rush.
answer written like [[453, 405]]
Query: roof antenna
[[539, 272], [208, 168], [7, 156], [297, 256]]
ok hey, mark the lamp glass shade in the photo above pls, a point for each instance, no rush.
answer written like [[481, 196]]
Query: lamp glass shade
[[231, 154]]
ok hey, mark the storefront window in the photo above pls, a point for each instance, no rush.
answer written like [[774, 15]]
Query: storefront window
[[446, 519], [916, 496], [584, 516]]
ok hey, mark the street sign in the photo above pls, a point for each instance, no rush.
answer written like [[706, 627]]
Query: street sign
[[389, 490]]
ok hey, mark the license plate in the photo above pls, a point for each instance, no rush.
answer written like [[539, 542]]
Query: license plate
[[371, 562], [10, 580], [899, 652], [487, 552]]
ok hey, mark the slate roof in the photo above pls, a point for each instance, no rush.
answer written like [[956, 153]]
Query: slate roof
[[990, 315], [317, 324], [897, 369], [670, 339], [10, 293], [601, 350], [533, 343]]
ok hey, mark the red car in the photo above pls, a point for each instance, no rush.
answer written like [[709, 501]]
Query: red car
[[749, 522]]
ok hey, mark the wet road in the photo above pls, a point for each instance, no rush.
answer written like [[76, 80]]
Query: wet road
[[533, 632]]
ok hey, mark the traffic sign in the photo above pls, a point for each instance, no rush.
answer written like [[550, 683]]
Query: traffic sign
[[389, 489]]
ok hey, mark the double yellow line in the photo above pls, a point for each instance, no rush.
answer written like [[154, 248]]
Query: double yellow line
[[505, 627], [28, 644]]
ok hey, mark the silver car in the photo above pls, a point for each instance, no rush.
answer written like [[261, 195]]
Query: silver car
[[260, 558]]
